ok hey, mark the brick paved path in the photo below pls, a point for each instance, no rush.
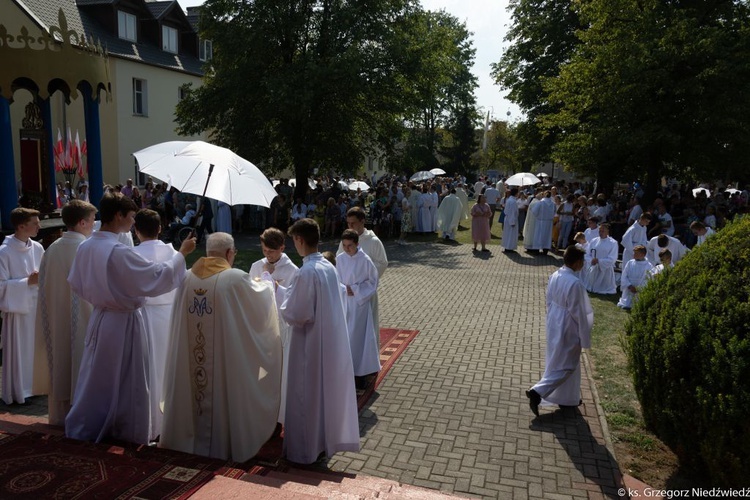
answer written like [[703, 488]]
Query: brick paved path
[[452, 414]]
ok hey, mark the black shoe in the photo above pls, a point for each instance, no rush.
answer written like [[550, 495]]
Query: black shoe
[[534, 400], [545, 251]]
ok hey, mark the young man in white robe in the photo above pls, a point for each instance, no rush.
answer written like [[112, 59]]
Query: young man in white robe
[[449, 215], [360, 277], [222, 384], [277, 267], [62, 317], [415, 199], [510, 224], [20, 259], [461, 193], [634, 236], [112, 393], [157, 311], [602, 252], [700, 230], [674, 245], [634, 276], [321, 409], [569, 322], [529, 227], [665, 256], [425, 217], [544, 213], [373, 247]]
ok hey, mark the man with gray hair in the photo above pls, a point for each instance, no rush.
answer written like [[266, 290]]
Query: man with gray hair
[[222, 381]]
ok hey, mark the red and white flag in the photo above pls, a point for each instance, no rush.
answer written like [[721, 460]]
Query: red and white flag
[[75, 164], [69, 152], [59, 152], [83, 158]]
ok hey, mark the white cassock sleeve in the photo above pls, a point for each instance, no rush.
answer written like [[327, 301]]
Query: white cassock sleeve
[[296, 307], [16, 296]]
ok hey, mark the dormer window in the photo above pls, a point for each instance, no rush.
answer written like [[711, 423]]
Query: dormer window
[[126, 24], [169, 39], [206, 50]]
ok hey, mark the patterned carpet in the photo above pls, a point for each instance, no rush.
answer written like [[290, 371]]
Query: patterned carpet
[[35, 465]]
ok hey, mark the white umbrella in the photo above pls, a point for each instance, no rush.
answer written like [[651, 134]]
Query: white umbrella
[[437, 171], [422, 175], [523, 179], [542, 174], [359, 185], [731, 191], [343, 185], [190, 165], [696, 191], [293, 182]]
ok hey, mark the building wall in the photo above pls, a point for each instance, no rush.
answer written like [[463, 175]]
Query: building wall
[[131, 132], [122, 132]]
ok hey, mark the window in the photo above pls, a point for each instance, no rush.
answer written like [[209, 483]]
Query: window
[[140, 97], [206, 50], [182, 92], [126, 26], [169, 39]]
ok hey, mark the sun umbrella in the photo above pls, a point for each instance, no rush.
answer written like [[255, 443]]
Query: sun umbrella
[[204, 169], [358, 185], [523, 179], [731, 191], [422, 175], [310, 183], [542, 174], [343, 185], [697, 191], [437, 171]]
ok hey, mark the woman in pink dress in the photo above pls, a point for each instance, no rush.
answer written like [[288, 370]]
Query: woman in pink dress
[[480, 223]]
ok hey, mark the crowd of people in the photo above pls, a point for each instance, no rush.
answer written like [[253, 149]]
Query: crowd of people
[[212, 360]]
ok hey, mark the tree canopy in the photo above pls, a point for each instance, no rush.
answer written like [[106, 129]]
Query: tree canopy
[[650, 88], [318, 83]]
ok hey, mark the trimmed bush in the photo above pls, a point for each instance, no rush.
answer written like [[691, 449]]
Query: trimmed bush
[[689, 352]]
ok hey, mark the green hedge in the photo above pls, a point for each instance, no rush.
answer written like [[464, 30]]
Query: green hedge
[[689, 351]]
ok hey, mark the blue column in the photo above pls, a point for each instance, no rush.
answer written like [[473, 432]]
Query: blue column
[[8, 193], [46, 108], [94, 145]]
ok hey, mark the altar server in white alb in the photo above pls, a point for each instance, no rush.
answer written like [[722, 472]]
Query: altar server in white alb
[[635, 235], [277, 267], [449, 215], [569, 322], [358, 274], [635, 274], [657, 243], [602, 252], [510, 224], [544, 214], [20, 259], [373, 247], [321, 406], [223, 375], [112, 394], [62, 316], [157, 311]]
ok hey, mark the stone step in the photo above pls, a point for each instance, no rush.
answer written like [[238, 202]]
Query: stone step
[[225, 488]]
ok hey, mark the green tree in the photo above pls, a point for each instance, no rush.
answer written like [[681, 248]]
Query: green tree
[[654, 88], [301, 83], [438, 90], [542, 38]]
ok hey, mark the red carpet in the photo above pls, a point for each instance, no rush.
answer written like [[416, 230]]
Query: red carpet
[[35, 465], [393, 343]]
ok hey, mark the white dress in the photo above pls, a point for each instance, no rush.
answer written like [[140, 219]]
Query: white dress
[[18, 302], [61, 321], [601, 276], [510, 224], [636, 273], [570, 318], [284, 272], [112, 394], [359, 273], [157, 315], [321, 406]]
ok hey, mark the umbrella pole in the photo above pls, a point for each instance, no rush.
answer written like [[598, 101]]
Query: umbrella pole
[[203, 200]]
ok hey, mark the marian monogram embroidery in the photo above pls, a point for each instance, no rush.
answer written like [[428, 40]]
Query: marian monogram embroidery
[[200, 304]]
